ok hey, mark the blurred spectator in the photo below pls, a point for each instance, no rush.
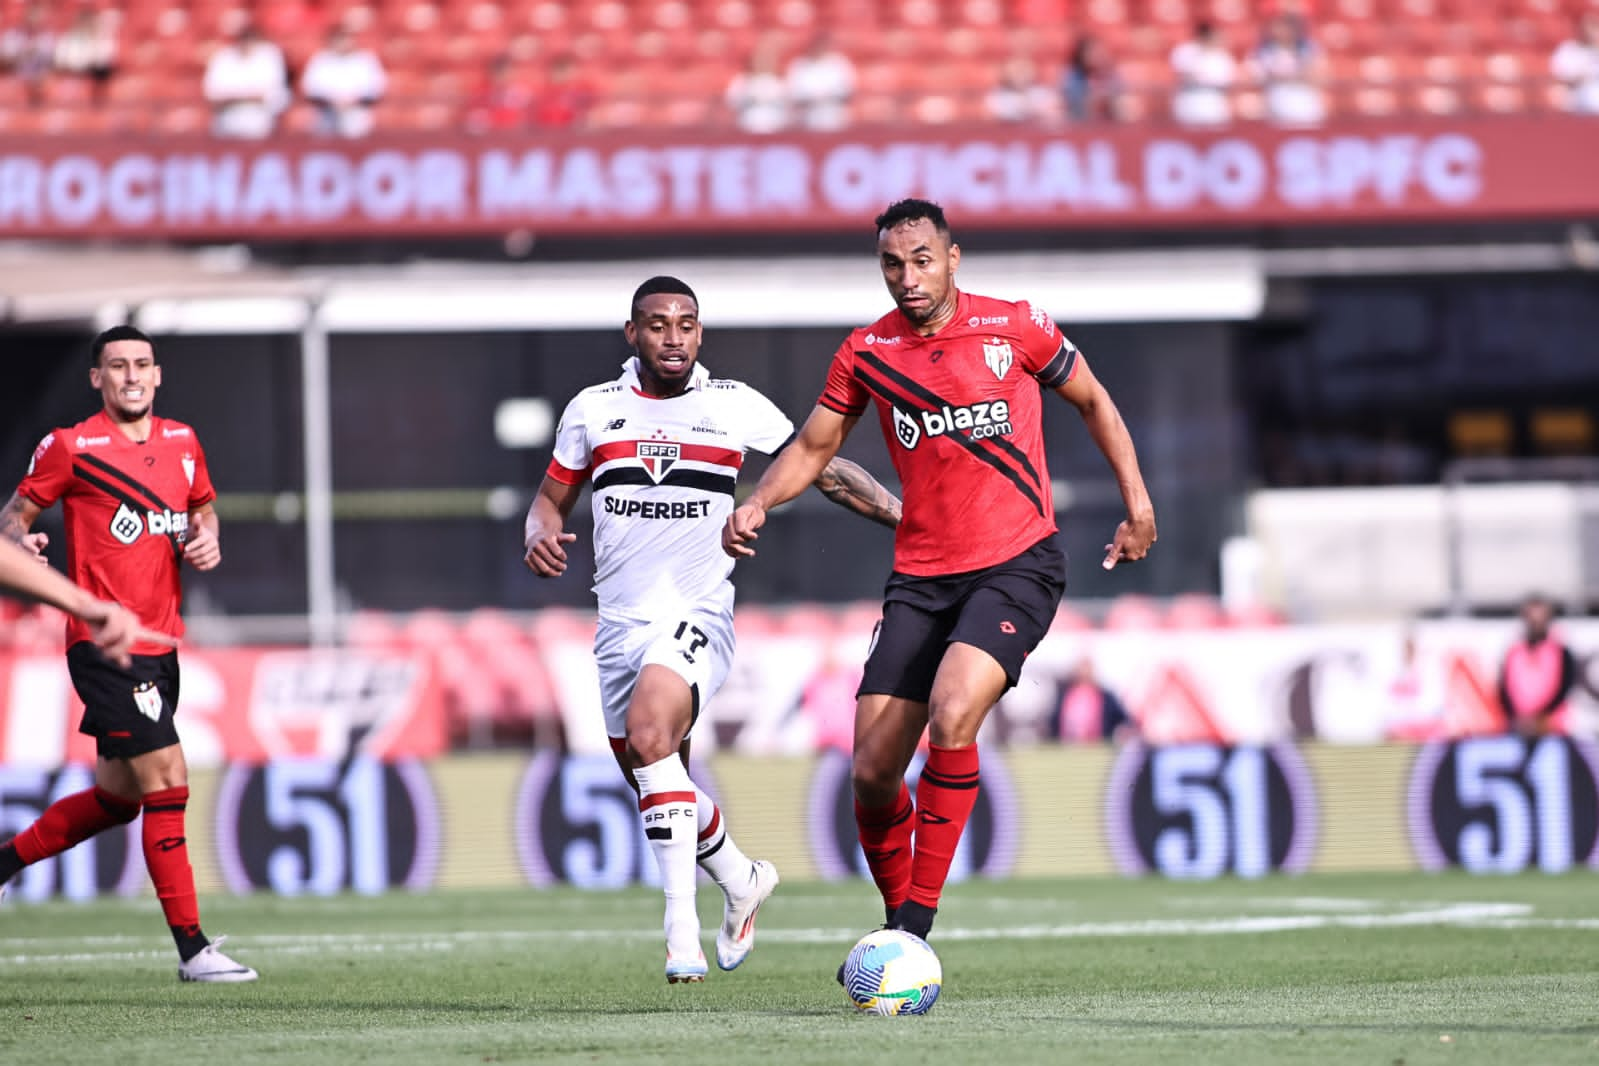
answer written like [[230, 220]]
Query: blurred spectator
[[89, 49], [27, 51], [827, 702], [1205, 73], [247, 85], [1537, 675], [821, 83], [1090, 712], [1290, 67], [1575, 64], [1090, 85], [1020, 96], [758, 95], [503, 102], [566, 97], [1416, 704], [345, 83]]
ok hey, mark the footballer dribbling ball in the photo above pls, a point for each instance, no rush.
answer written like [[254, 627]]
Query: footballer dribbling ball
[[891, 971]]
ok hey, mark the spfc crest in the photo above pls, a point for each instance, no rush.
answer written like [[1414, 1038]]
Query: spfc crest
[[996, 354], [658, 456]]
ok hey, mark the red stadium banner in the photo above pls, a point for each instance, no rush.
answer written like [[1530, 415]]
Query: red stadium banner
[[1423, 170], [246, 705]]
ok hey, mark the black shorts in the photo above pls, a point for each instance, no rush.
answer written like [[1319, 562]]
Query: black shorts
[[1004, 609], [128, 712]]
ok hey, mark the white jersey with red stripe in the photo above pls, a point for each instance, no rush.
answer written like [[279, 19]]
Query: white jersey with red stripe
[[663, 473]]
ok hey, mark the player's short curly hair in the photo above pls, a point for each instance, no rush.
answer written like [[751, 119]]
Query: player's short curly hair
[[913, 210], [659, 284], [114, 334]]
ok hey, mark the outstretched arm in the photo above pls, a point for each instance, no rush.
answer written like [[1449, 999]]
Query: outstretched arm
[[113, 628], [1137, 532], [852, 488], [542, 535], [796, 466]]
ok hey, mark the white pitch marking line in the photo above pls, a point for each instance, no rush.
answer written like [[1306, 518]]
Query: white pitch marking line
[[1462, 915]]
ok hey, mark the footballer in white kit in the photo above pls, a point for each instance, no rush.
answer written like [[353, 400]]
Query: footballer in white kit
[[663, 472], [662, 447]]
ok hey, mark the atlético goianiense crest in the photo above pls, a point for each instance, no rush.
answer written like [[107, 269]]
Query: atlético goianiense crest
[[658, 456], [996, 353]]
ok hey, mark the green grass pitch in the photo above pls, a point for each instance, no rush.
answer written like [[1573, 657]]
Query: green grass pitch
[[1391, 970]]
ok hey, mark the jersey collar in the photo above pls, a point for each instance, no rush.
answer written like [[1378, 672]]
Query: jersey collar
[[696, 379]]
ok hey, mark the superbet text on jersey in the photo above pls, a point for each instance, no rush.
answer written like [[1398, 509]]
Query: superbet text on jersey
[[962, 413], [663, 473], [127, 510]]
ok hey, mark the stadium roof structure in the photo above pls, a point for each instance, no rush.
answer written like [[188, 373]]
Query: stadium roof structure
[[221, 291], [43, 283]]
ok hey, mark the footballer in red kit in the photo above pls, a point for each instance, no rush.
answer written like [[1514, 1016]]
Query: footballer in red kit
[[957, 381], [963, 416], [137, 500]]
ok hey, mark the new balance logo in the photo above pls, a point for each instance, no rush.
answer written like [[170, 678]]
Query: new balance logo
[[614, 425]]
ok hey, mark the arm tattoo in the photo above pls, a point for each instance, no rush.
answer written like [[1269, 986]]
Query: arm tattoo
[[13, 526], [851, 487]]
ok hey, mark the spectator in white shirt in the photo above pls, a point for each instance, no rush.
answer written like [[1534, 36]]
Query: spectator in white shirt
[[1205, 72], [344, 82], [1289, 65], [1020, 96], [1575, 64], [89, 48], [27, 51], [247, 86], [821, 83], [758, 96]]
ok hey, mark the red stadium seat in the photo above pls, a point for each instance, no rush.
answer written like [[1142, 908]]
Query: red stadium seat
[[1432, 99], [372, 629], [1068, 620], [1133, 612], [1500, 99], [1195, 611], [184, 119]]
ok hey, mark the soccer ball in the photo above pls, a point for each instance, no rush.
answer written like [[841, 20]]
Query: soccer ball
[[891, 971]]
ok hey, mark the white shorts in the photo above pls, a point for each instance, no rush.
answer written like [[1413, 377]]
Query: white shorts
[[696, 646]]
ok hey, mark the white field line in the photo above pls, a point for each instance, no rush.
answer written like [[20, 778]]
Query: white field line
[[121, 948]]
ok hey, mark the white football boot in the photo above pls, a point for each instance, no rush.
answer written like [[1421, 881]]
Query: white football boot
[[736, 939], [686, 971], [213, 966]]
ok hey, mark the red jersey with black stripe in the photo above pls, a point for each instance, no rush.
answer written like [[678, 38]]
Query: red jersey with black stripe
[[962, 413], [127, 510]]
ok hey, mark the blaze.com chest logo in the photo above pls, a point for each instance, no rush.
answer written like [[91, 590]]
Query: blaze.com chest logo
[[128, 525], [978, 421]]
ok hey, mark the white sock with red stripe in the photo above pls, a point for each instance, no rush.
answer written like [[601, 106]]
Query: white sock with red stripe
[[668, 806], [728, 866]]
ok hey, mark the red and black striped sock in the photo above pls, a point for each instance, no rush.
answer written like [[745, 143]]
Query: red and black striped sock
[[885, 835], [166, 854], [66, 822], [945, 796]]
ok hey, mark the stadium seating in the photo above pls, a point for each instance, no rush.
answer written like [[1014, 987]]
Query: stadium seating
[[931, 60]]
